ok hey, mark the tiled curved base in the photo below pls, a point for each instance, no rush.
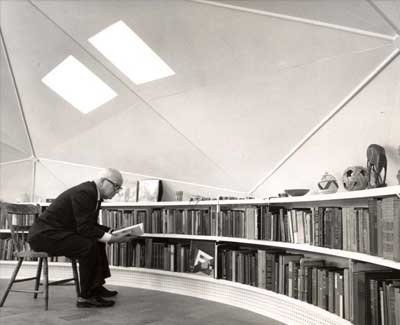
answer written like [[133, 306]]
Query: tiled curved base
[[270, 304]]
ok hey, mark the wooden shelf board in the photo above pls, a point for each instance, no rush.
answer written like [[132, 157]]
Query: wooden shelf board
[[180, 236], [349, 195], [352, 195]]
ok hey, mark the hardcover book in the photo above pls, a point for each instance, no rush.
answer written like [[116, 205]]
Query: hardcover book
[[202, 257], [135, 230]]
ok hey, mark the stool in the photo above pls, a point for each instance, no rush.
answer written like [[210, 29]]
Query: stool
[[16, 216]]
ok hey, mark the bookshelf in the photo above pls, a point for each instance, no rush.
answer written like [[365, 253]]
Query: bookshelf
[[319, 250], [269, 303], [361, 229]]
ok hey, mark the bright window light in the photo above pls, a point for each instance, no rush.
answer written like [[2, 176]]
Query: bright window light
[[119, 44], [78, 85]]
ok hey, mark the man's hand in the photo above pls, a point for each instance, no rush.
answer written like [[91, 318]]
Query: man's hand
[[119, 238]]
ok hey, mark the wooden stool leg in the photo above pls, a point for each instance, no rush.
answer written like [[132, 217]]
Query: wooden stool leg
[[46, 282], [10, 283], [38, 273], [76, 277]]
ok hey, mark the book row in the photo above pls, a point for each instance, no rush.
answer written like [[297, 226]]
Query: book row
[[374, 230], [22, 220], [384, 299], [371, 230], [362, 296], [188, 256], [289, 274], [239, 222], [361, 293], [163, 221]]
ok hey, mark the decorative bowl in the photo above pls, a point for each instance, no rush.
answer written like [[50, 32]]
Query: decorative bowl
[[297, 191]]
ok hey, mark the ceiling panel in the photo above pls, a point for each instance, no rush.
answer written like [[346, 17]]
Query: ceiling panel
[[390, 9], [356, 14], [248, 126], [35, 47], [14, 143], [53, 177], [247, 88], [233, 74], [125, 133], [203, 44], [140, 142]]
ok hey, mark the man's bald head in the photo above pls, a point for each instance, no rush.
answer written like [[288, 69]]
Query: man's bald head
[[109, 182], [112, 174]]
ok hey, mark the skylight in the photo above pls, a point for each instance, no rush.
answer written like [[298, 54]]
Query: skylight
[[78, 85], [127, 51]]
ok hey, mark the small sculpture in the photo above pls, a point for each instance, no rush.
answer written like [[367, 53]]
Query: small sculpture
[[376, 163], [328, 184], [355, 178]]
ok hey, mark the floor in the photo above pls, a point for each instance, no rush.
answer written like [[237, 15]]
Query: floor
[[133, 306]]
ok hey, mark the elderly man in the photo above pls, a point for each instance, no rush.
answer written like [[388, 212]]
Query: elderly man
[[69, 227]]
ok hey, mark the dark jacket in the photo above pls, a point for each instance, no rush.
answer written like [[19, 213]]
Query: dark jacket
[[74, 211]]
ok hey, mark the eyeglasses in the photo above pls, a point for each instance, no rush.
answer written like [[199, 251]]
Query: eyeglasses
[[117, 187]]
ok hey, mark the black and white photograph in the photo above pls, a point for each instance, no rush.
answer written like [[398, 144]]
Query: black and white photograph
[[200, 162]]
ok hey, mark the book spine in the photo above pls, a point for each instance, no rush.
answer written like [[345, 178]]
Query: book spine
[[346, 289], [396, 229], [373, 226], [388, 228], [331, 292], [315, 284], [261, 269]]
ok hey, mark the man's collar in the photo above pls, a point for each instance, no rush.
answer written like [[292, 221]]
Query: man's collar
[[98, 191]]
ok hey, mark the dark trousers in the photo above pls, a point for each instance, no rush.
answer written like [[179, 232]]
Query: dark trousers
[[91, 255]]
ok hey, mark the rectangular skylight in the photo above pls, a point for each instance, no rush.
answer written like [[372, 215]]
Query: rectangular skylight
[[79, 86], [126, 50]]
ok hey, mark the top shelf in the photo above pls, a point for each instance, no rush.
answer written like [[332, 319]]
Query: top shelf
[[339, 196], [351, 195], [143, 204]]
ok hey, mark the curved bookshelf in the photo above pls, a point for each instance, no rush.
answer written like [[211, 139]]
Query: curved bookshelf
[[349, 195], [316, 249], [264, 302], [277, 306]]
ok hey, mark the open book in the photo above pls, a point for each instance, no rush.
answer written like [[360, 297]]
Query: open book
[[135, 230]]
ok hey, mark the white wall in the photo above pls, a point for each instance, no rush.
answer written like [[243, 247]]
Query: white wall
[[372, 117], [16, 182], [53, 177]]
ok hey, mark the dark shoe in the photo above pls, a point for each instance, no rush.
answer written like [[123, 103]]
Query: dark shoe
[[104, 292], [94, 302]]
